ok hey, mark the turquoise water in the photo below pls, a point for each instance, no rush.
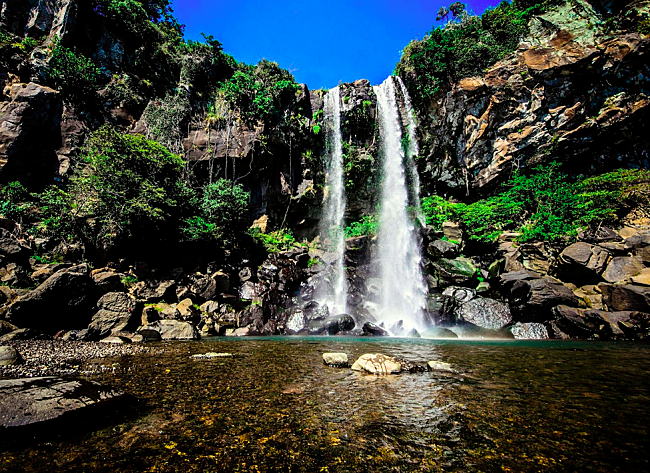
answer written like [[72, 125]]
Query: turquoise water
[[510, 406]]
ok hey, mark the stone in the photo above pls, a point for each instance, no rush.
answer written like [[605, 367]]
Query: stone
[[212, 355], [187, 310], [337, 360], [640, 246], [267, 272], [459, 271], [295, 322], [116, 340], [154, 290], [40, 275], [453, 232], [626, 297], [642, 279], [149, 335], [332, 324], [117, 312], [582, 262], [50, 403], [460, 294], [485, 313], [249, 290], [9, 356], [149, 315], [261, 223], [24, 334], [245, 274], [107, 280], [377, 364], [622, 268], [40, 309], [173, 330], [222, 281], [440, 366], [6, 327], [529, 331], [370, 329], [442, 249], [29, 130]]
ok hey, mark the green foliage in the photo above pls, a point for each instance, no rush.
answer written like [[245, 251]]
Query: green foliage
[[73, 74], [130, 187], [223, 211], [129, 281], [313, 262], [545, 205], [11, 198], [357, 166], [464, 48], [259, 92], [368, 225], [55, 208], [165, 119], [279, 240]]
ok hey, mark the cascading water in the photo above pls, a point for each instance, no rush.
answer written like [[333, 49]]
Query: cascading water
[[332, 231], [403, 292], [412, 150]]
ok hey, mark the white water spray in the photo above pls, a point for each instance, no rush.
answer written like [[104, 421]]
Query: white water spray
[[332, 229], [403, 289]]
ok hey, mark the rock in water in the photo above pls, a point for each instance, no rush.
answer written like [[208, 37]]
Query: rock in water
[[529, 331], [45, 401], [9, 356], [439, 366], [377, 364], [338, 360], [374, 330]]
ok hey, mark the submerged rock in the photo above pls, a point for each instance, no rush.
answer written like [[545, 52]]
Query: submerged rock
[[377, 364], [212, 355], [439, 332], [439, 366], [337, 360]]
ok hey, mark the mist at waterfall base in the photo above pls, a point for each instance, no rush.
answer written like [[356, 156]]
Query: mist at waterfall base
[[397, 262]]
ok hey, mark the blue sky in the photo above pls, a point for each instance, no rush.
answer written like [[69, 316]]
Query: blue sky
[[321, 43]]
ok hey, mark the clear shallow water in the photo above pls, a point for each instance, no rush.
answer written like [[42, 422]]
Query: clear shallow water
[[512, 406]]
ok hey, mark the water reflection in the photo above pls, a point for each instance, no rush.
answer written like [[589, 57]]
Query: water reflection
[[511, 406]]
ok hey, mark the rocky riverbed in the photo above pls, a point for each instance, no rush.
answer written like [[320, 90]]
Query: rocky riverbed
[[59, 357]]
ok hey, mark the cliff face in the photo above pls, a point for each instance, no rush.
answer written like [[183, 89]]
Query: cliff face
[[575, 90]]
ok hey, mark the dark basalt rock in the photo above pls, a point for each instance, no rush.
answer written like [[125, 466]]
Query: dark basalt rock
[[51, 406], [370, 329]]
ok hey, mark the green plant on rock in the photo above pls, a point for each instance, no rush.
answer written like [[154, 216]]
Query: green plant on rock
[[73, 74], [279, 240], [222, 213], [368, 225], [165, 118]]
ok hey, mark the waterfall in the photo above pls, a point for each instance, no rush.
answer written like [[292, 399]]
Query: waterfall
[[332, 223], [412, 150], [403, 292]]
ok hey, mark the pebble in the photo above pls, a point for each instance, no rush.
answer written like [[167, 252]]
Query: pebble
[[60, 357]]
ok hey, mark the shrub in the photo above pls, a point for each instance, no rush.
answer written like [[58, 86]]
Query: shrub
[[222, 213], [279, 240], [73, 74], [130, 187], [368, 225], [545, 205]]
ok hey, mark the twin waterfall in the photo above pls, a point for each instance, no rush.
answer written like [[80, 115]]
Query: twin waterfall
[[397, 260]]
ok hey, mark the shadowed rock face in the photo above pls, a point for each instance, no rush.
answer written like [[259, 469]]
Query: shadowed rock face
[[48, 407]]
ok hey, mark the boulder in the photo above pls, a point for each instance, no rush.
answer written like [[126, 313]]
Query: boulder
[[63, 301], [529, 331], [626, 297], [50, 404], [9, 356], [452, 231], [337, 360], [332, 324], [24, 334], [107, 280], [6, 327], [377, 364], [295, 322], [370, 329], [442, 249], [439, 366], [43, 272], [173, 330], [438, 332], [583, 263], [485, 313], [459, 272], [640, 246], [622, 268], [117, 312], [29, 131], [154, 290]]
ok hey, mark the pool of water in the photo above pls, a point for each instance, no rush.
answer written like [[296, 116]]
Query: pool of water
[[510, 406]]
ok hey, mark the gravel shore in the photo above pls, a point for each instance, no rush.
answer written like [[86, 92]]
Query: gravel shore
[[58, 357]]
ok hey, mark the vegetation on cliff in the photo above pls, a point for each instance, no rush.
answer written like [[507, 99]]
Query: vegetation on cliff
[[464, 47], [545, 204]]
